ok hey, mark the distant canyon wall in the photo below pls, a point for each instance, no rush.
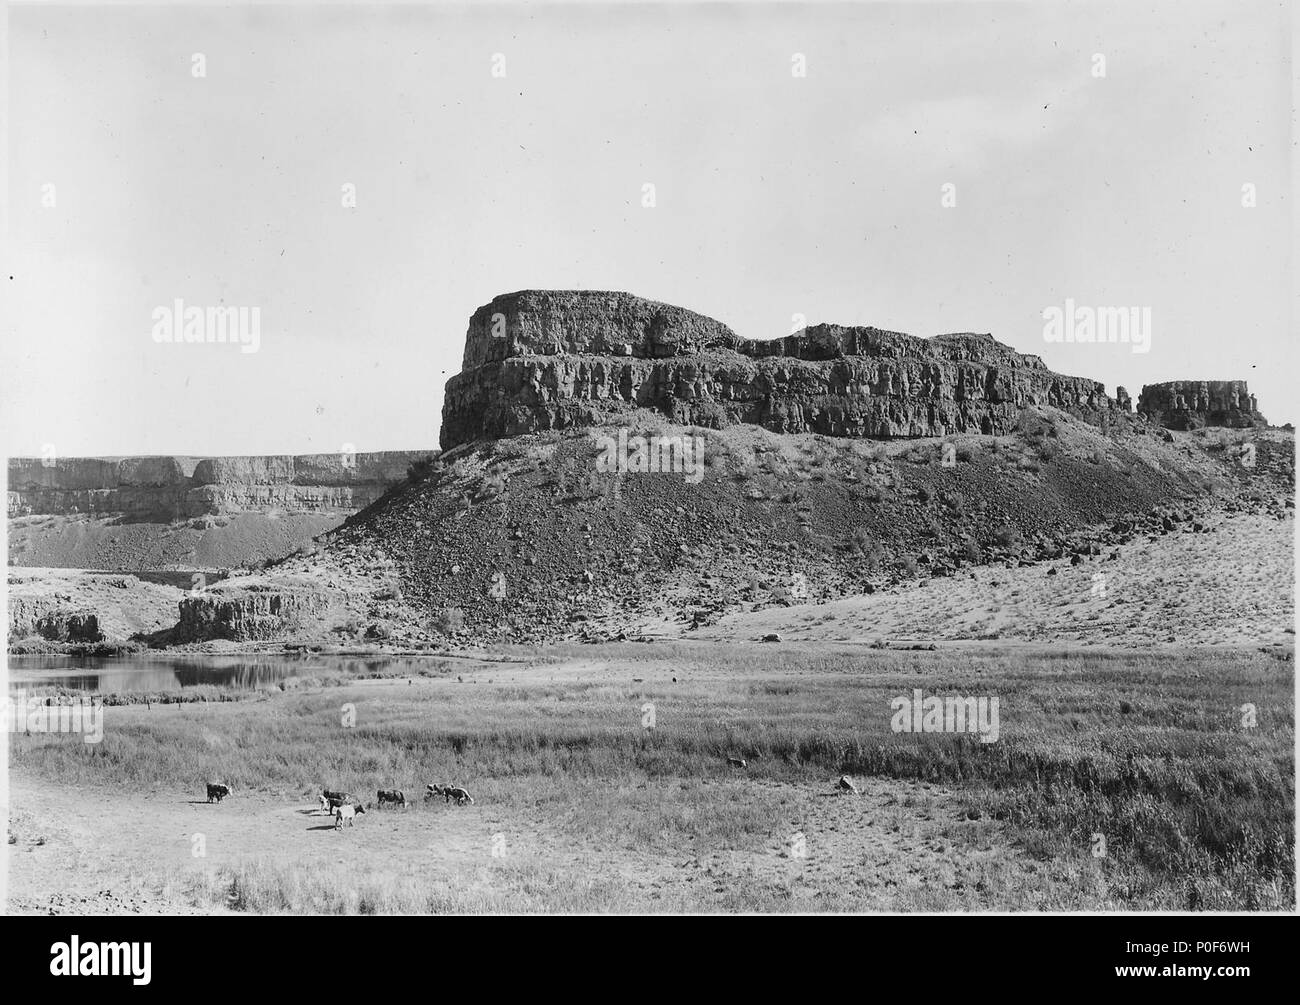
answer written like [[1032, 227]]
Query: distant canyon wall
[[171, 489]]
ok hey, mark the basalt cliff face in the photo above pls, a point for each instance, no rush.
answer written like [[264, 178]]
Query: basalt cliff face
[[556, 359], [1194, 404], [170, 489]]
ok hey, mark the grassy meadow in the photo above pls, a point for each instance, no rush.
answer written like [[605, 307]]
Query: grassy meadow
[[1135, 776]]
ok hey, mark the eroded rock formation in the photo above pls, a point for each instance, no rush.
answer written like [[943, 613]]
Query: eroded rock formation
[[1193, 404], [554, 359]]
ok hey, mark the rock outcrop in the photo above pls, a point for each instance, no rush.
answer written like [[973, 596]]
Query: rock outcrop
[[542, 359], [1194, 404], [59, 604], [53, 619], [249, 613], [170, 489]]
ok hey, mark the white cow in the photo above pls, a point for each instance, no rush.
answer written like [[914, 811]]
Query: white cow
[[348, 812]]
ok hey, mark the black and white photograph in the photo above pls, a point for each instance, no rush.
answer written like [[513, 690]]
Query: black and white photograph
[[619, 459]]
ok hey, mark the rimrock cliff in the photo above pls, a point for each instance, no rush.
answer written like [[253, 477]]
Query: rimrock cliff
[[555, 359]]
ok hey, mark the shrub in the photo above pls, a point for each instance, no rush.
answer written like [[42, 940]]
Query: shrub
[[390, 589], [1007, 537], [420, 469], [492, 485], [860, 542], [448, 621], [349, 627], [872, 554]]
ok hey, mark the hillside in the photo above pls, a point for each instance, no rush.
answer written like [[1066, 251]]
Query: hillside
[[520, 539], [1227, 584]]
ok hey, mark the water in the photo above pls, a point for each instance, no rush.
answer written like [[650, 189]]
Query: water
[[150, 673]]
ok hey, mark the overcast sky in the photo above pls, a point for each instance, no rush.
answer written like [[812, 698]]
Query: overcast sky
[[776, 195]]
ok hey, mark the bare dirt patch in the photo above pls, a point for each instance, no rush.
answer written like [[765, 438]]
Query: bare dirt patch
[[888, 848]]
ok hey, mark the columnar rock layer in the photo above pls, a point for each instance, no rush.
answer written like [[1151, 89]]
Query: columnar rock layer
[[1192, 404], [555, 359]]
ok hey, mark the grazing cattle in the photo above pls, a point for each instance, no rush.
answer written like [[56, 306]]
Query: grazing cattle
[[348, 812], [391, 796], [217, 791], [738, 762], [462, 796], [846, 784]]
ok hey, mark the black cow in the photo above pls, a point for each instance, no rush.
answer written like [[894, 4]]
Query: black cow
[[337, 799], [217, 791]]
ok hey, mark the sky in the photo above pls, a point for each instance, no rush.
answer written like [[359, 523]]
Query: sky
[[131, 182]]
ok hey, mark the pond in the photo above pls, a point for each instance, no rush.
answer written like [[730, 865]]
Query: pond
[[154, 672]]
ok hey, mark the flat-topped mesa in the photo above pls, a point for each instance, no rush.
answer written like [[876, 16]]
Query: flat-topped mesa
[[1193, 404], [557, 359]]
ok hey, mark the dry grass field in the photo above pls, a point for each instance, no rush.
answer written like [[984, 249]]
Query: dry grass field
[[1119, 781]]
